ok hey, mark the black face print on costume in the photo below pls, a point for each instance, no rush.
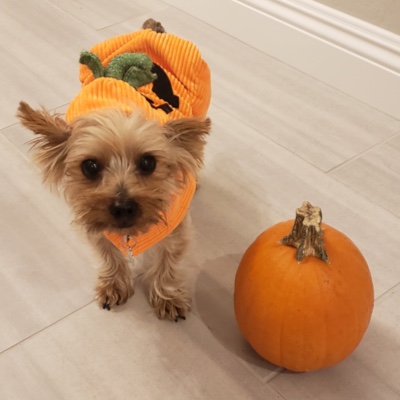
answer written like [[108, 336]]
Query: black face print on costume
[[163, 89]]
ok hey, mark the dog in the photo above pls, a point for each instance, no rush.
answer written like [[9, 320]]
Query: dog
[[127, 157]]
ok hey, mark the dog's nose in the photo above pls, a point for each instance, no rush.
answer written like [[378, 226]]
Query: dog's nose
[[124, 212]]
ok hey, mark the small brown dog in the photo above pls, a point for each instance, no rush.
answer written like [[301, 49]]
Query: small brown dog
[[128, 179]]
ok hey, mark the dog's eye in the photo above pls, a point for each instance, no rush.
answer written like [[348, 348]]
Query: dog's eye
[[91, 169], [147, 164]]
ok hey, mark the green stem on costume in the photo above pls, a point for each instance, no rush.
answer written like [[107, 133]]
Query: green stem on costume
[[93, 62], [133, 68]]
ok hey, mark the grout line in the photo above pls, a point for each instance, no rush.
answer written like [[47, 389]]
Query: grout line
[[362, 154], [45, 328], [387, 293], [17, 123], [265, 137], [326, 172], [52, 110], [8, 127], [278, 392], [274, 374], [361, 194]]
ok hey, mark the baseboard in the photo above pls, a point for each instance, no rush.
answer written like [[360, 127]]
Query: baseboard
[[353, 56]]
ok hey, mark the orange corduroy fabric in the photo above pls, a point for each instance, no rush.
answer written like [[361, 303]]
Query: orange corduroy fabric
[[181, 61], [189, 77]]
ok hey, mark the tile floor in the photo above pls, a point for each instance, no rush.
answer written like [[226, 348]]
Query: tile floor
[[279, 138]]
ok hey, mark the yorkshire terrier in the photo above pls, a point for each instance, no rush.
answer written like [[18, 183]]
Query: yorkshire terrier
[[127, 158]]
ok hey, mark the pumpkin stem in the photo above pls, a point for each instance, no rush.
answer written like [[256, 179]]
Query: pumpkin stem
[[306, 235], [93, 62]]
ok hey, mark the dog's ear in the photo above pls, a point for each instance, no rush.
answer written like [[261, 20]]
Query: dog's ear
[[49, 147], [190, 135]]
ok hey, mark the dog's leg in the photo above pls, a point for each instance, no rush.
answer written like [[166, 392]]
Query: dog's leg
[[115, 282], [167, 294], [153, 25]]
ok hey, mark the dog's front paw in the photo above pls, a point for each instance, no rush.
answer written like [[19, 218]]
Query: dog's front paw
[[173, 307], [111, 292]]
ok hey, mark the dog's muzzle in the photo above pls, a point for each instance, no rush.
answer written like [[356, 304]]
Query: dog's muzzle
[[124, 212]]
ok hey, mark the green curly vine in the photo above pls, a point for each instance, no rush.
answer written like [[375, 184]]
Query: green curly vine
[[133, 68]]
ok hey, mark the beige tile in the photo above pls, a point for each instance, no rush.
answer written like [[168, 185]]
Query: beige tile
[[310, 119], [376, 175], [125, 354], [20, 138], [212, 289], [46, 271], [370, 373], [40, 51], [103, 13]]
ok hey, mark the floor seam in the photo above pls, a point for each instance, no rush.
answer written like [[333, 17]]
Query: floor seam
[[45, 328], [387, 293], [360, 155]]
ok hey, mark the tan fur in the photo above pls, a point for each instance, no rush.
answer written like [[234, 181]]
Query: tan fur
[[50, 144], [167, 294], [117, 141]]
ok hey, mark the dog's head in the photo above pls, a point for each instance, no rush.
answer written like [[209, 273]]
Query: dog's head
[[117, 171]]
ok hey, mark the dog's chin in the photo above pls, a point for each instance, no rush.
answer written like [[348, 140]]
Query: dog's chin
[[123, 228], [119, 229], [132, 227], [124, 225]]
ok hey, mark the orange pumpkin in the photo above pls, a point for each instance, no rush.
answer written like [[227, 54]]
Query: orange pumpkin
[[303, 301]]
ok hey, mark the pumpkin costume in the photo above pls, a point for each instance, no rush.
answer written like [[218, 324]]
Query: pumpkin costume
[[159, 73]]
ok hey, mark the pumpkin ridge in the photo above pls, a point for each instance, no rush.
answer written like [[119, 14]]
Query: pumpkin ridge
[[302, 320], [282, 322], [324, 316]]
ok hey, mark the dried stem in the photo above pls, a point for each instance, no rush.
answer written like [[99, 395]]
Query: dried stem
[[306, 235]]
